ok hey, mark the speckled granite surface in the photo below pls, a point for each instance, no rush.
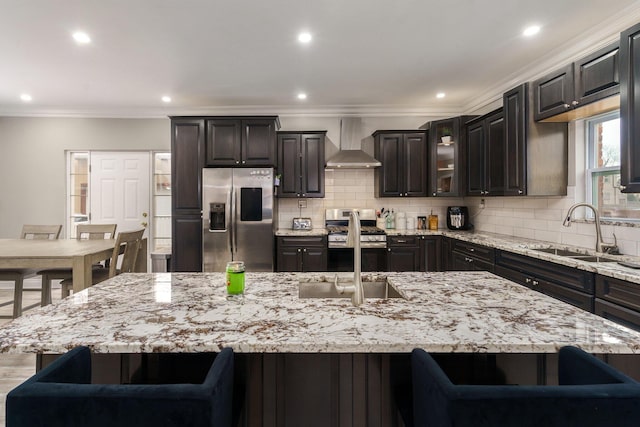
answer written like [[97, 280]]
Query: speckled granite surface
[[301, 233], [189, 312]]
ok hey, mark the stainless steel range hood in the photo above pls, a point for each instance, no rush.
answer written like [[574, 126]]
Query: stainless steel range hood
[[351, 155]]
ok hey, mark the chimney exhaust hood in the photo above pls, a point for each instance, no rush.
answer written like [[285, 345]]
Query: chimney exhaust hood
[[351, 155]]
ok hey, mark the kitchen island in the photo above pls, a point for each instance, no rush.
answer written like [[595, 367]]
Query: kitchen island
[[316, 358]]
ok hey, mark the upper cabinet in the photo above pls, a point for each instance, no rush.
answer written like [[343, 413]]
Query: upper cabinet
[[187, 140], [446, 157], [246, 141], [515, 104], [562, 95], [301, 163], [486, 155], [403, 155], [629, 107]]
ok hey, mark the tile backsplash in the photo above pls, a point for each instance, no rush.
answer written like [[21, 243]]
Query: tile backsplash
[[537, 218]]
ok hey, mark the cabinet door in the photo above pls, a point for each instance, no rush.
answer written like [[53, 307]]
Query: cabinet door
[[444, 158], [389, 152], [495, 155], [403, 258], [516, 116], [187, 139], [475, 159], [258, 142], [289, 258], [597, 76], [629, 106], [553, 93], [430, 253], [186, 252], [312, 156], [460, 262], [223, 142], [314, 259], [415, 164], [289, 164]]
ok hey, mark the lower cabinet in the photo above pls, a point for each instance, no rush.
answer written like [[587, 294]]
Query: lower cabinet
[[187, 250], [403, 253], [301, 253], [430, 253], [467, 256], [573, 286], [618, 300]]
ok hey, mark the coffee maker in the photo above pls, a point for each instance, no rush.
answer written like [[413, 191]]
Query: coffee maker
[[458, 218]]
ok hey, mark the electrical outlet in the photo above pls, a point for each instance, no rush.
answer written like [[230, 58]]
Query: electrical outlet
[[302, 203], [481, 203]]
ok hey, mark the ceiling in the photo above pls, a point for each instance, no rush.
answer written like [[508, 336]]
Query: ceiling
[[366, 56]]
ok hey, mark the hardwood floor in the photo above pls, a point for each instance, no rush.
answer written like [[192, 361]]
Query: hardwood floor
[[15, 368]]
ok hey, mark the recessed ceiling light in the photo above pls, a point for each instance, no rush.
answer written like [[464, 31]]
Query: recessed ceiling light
[[304, 37], [81, 37], [302, 96], [25, 97], [531, 31], [166, 98], [440, 95]]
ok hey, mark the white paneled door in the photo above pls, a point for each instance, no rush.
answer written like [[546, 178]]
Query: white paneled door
[[119, 183]]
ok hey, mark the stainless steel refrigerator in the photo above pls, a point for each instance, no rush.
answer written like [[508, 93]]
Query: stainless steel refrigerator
[[238, 212]]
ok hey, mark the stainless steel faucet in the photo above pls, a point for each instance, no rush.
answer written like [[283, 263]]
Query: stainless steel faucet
[[600, 245], [353, 241]]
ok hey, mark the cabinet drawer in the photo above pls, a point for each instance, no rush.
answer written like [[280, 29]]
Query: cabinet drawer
[[295, 241], [475, 251], [403, 241], [566, 276], [618, 291], [570, 296], [618, 314]]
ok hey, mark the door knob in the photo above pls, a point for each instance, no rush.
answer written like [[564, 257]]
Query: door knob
[[144, 224], [144, 214]]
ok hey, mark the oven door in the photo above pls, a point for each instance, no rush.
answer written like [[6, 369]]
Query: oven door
[[341, 259]]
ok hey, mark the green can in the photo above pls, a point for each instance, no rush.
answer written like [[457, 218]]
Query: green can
[[235, 277]]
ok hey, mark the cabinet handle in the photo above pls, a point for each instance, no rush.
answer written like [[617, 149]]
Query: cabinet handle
[[434, 194], [567, 106], [486, 192], [244, 161], [471, 250], [299, 250], [389, 249], [298, 194], [237, 162], [303, 194], [574, 103], [535, 283], [304, 250], [406, 194], [520, 191], [402, 241], [527, 280]]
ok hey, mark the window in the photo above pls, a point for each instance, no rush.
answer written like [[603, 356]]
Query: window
[[603, 170]]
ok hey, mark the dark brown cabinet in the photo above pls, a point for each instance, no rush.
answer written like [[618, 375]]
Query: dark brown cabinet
[[629, 106], [446, 157], [430, 253], [301, 253], [403, 155], [187, 141], [246, 141], [573, 286], [486, 155], [618, 300], [403, 253], [467, 256], [516, 115], [301, 164], [593, 78]]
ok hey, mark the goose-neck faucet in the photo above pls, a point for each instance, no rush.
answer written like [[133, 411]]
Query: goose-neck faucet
[[353, 240], [600, 245]]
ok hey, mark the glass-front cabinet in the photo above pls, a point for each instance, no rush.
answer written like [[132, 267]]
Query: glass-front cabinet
[[162, 202], [446, 149]]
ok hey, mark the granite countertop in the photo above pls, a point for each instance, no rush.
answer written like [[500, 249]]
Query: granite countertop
[[189, 312], [301, 233]]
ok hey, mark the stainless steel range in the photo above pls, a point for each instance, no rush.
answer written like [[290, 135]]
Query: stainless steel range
[[337, 220]]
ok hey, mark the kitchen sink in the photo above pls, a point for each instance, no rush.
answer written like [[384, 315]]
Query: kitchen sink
[[377, 289], [576, 255]]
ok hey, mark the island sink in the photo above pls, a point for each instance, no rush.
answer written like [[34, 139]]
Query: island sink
[[377, 289], [576, 255]]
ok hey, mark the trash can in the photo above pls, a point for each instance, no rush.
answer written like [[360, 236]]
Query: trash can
[[160, 261]]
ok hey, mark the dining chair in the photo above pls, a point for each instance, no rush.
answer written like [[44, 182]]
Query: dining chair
[[129, 242], [590, 393], [17, 276], [62, 395], [83, 232]]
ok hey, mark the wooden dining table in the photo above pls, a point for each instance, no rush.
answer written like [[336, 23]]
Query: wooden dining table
[[78, 255]]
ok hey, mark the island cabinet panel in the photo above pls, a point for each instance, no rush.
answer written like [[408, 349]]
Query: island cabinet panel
[[301, 164], [618, 300], [187, 243], [567, 284], [301, 253], [241, 141], [467, 256], [430, 253], [629, 107], [403, 253], [403, 155]]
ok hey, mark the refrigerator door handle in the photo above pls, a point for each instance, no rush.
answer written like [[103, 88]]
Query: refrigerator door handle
[[232, 219], [235, 221]]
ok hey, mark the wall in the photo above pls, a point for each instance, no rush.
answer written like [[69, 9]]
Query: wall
[[32, 161]]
